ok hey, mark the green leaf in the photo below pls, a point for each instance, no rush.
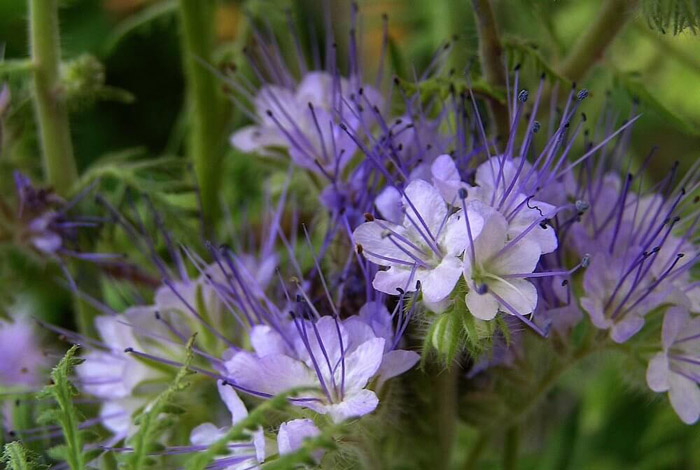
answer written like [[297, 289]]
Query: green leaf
[[139, 20], [634, 86], [65, 415], [153, 420]]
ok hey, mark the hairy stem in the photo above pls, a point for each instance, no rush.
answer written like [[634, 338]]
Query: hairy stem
[[205, 106], [598, 36], [491, 55], [446, 385], [511, 448], [51, 112]]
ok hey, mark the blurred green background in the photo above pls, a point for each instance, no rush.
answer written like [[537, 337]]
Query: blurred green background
[[615, 425]]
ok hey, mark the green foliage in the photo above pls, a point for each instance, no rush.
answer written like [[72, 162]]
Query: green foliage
[[156, 418], [16, 457], [633, 84], [139, 21], [65, 414], [527, 53], [674, 15], [441, 88]]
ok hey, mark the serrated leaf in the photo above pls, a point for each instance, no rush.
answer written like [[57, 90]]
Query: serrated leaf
[[674, 15]]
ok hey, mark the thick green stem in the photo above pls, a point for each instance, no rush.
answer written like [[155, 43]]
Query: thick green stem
[[446, 385], [51, 113], [511, 448], [598, 36], [476, 451], [204, 101], [491, 55]]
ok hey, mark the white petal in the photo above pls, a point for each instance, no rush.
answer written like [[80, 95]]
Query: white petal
[[379, 243], [429, 205], [626, 328], [685, 398], [519, 294], [232, 401], [323, 341], [393, 279], [317, 88], [522, 258], [255, 139], [272, 374], [361, 365], [355, 405], [482, 306], [454, 237], [657, 373], [492, 236], [675, 320], [266, 340], [292, 434], [396, 363], [446, 178], [389, 205], [206, 434], [440, 282]]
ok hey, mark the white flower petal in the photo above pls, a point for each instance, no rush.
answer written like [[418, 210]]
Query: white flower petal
[[232, 401], [519, 294], [361, 365], [482, 306], [429, 205], [381, 246], [657, 373], [522, 258], [393, 279], [685, 398], [396, 363], [439, 283], [271, 374], [389, 205], [292, 434], [355, 405]]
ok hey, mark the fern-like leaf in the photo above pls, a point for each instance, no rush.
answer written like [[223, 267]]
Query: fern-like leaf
[[65, 414], [16, 457], [153, 420], [673, 15], [240, 431]]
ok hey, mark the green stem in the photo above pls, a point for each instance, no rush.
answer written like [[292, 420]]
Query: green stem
[[511, 447], [598, 36], [51, 112], [446, 385], [491, 55], [204, 101], [476, 451]]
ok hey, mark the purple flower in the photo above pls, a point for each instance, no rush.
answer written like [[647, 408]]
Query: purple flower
[[496, 269], [424, 248], [23, 361], [676, 369], [305, 121], [340, 358]]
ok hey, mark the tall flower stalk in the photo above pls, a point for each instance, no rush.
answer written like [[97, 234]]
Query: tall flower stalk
[[51, 112], [204, 100]]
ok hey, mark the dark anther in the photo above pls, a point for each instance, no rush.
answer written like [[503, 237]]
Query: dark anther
[[369, 217], [129, 350], [462, 193], [523, 95]]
